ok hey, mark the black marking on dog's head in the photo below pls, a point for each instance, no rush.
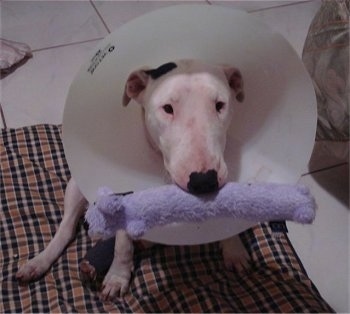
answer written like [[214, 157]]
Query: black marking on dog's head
[[162, 70]]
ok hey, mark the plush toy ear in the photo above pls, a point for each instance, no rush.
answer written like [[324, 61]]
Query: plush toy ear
[[135, 86], [235, 80]]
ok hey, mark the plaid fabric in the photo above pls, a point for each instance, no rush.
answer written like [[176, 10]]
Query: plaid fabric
[[34, 174]]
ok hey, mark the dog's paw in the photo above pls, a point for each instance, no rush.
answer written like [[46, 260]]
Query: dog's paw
[[236, 257], [115, 284], [113, 287], [32, 270]]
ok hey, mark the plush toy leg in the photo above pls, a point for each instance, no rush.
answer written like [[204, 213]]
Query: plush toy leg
[[96, 262]]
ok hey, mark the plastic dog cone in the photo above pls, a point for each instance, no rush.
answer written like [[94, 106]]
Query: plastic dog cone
[[271, 136]]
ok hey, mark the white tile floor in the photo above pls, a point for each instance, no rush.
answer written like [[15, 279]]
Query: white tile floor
[[61, 33]]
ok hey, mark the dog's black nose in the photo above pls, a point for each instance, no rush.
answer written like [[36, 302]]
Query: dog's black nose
[[201, 183]]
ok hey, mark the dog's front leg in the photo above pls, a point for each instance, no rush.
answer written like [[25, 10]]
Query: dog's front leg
[[74, 207], [116, 282]]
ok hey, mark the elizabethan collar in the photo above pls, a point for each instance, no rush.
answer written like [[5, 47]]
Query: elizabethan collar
[[272, 133]]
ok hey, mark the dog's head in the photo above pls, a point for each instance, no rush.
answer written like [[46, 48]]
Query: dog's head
[[188, 106]]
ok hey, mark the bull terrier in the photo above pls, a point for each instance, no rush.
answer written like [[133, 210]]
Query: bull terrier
[[187, 107]]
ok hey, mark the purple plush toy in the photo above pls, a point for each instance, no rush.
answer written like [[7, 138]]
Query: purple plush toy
[[139, 212]]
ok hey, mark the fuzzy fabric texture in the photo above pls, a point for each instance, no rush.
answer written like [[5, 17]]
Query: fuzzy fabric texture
[[139, 212]]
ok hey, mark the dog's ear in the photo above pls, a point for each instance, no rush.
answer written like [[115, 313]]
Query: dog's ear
[[134, 86], [235, 80]]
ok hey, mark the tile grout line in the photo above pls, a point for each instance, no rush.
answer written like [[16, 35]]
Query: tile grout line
[[279, 6], [100, 16], [211, 2], [66, 45], [3, 117], [325, 169]]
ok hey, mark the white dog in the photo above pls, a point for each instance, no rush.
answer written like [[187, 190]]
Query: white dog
[[187, 107]]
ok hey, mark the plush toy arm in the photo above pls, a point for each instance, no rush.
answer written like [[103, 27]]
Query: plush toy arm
[[141, 211]]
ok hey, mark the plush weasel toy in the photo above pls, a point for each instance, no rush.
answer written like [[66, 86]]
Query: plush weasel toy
[[139, 212]]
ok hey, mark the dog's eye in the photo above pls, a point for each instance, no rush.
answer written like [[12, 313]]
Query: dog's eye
[[219, 106], [168, 109]]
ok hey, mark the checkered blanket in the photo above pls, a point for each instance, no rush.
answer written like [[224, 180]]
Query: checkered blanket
[[34, 174]]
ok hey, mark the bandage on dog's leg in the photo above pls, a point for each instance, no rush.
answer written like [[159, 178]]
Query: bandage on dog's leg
[[97, 261]]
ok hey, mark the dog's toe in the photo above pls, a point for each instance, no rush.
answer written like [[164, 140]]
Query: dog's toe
[[235, 261], [236, 257], [113, 287], [32, 270]]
